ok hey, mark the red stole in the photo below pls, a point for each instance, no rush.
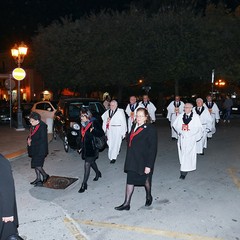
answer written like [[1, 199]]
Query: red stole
[[84, 129], [133, 134], [33, 131]]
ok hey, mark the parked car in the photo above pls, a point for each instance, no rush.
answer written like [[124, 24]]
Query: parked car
[[46, 109], [66, 123], [26, 110], [4, 114]]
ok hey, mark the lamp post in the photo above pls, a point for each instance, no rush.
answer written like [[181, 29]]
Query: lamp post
[[18, 53]]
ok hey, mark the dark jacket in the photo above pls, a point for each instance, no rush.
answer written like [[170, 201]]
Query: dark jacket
[[39, 144], [143, 149], [87, 143], [8, 205]]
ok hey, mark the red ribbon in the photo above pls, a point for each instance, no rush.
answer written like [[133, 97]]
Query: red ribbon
[[84, 129], [133, 134]]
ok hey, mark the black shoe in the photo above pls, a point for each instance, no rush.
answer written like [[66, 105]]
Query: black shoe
[[182, 177], [98, 175], [45, 178], [122, 207], [149, 201], [34, 182], [113, 161], [38, 184], [83, 188]]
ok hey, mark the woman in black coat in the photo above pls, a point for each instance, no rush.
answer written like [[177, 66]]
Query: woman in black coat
[[140, 158], [37, 143], [89, 128], [8, 206]]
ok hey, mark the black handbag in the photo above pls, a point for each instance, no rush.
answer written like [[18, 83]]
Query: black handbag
[[100, 142]]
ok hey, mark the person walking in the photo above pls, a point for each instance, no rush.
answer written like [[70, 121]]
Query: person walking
[[227, 106], [140, 158], [174, 109], [131, 110], [115, 127], [214, 112], [8, 206], [89, 128], [206, 121], [189, 129], [37, 144], [149, 106]]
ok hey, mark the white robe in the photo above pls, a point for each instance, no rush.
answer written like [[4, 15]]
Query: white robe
[[115, 132], [151, 110], [172, 114], [206, 121], [214, 111], [131, 115], [187, 141]]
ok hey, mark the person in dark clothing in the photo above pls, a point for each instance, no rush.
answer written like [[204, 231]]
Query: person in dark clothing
[[8, 206], [37, 143], [89, 128], [140, 157]]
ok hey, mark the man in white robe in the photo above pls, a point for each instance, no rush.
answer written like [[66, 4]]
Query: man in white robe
[[131, 110], [174, 109], [214, 111], [189, 129], [206, 121], [115, 128], [149, 106]]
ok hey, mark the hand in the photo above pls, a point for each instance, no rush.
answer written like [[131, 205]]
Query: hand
[[79, 151], [7, 219], [147, 170], [217, 120], [29, 140]]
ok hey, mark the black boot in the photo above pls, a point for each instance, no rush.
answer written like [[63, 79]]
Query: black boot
[[98, 175], [149, 201], [122, 207], [34, 182], [83, 188]]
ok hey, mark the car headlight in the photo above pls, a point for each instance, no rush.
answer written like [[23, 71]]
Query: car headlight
[[75, 126], [74, 133]]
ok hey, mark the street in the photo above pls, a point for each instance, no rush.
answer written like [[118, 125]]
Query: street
[[203, 206]]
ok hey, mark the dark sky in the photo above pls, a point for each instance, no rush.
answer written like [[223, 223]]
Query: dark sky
[[20, 18]]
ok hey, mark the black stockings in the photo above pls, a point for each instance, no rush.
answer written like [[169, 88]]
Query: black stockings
[[148, 186], [40, 171], [87, 167], [128, 194]]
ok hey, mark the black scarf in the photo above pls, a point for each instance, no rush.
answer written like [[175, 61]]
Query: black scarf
[[111, 114], [133, 106], [199, 112], [175, 104], [187, 119], [209, 105], [145, 104]]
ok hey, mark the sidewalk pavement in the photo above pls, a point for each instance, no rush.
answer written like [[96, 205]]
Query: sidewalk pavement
[[13, 143]]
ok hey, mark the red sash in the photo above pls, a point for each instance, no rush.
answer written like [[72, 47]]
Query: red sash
[[84, 129], [133, 134], [32, 132]]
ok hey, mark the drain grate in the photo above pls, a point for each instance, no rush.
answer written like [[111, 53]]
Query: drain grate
[[58, 182]]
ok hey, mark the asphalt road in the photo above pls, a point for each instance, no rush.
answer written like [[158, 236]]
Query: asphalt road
[[203, 206]]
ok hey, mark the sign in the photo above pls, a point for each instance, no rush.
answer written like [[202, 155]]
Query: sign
[[19, 74]]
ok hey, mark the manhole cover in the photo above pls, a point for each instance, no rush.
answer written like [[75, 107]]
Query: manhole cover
[[58, 182]]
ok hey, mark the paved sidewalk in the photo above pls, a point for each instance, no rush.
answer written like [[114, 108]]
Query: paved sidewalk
[[13, 143]]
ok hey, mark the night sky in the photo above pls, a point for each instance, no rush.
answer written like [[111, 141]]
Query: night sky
[[20, 19]]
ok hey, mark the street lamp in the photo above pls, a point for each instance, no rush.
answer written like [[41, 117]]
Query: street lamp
[[18, 53]]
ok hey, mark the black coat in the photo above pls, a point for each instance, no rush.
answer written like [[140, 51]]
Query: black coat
[[87, 143], [143, 150], [39, 145], [8, 205]]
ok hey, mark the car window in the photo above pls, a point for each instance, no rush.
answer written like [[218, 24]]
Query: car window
[[100, 107], [92, 107], [74, 109], [48, 107], [40, 106]]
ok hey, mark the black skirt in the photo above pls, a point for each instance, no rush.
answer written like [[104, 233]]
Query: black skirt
[[136, 179], [37, 161]]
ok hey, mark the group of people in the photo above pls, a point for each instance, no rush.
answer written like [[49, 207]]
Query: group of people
[[192, 127]]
